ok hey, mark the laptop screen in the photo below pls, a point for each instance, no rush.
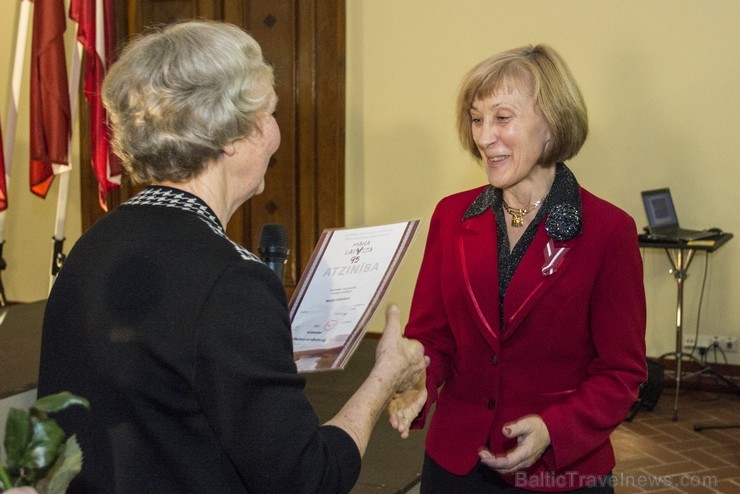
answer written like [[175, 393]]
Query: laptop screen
[[659, 209]]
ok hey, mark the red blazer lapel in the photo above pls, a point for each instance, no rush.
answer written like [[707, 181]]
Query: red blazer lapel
[[476, 245], [529, 283]]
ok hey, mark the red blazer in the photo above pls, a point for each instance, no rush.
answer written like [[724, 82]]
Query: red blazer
[[571, 348]]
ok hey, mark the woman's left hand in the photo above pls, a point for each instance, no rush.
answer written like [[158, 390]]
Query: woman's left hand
[[532, 437]]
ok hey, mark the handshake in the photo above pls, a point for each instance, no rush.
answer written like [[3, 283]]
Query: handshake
[[407, 364], [396, 383]]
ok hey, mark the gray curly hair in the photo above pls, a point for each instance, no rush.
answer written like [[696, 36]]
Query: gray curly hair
[[179, 95]]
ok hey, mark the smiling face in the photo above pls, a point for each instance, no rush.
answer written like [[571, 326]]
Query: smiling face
[[511, 135]]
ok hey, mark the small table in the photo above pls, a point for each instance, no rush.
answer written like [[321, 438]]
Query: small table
[[680, 254]]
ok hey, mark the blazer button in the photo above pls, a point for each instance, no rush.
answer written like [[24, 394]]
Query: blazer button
[[494, 359], [491, 404]]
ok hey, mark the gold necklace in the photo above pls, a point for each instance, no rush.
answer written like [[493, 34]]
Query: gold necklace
[[517, 214]]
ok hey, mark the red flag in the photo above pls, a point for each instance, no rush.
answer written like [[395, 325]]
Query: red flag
[[3, 184], [50, 112], [96, 33]]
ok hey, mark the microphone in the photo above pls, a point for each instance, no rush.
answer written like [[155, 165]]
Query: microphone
[[273, 248]]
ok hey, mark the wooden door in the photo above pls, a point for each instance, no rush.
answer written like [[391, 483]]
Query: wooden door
[[304, 41]]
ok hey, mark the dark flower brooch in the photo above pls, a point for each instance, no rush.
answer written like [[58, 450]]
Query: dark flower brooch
[[563, 222]]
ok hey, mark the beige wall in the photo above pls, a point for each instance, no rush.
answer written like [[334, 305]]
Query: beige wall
[[662, 82], [660, 78], [29, 220]]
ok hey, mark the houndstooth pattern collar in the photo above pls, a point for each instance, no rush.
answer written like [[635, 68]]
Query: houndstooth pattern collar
[[157, 195]]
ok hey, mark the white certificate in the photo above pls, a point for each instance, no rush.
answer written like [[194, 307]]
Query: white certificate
[[348, 274]]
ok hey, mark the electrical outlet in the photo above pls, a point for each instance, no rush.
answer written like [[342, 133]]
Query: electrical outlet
[[702, 341], [728, 344], [725, 343]]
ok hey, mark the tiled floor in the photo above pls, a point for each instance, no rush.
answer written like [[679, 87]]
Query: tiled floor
[[657, 455]]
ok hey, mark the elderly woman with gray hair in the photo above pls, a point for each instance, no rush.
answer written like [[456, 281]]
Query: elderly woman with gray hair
[[179, 337]]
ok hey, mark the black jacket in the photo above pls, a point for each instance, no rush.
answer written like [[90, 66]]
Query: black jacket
[[181, 341]]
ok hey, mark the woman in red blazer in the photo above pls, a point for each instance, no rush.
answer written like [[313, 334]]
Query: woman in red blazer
[[530, 299]]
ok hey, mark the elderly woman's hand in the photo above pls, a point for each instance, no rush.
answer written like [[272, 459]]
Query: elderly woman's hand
[[407, 356], [403, 357], [532, 437], [399, 366]]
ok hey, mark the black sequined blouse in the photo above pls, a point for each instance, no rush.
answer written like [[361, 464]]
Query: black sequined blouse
[[564, 191]]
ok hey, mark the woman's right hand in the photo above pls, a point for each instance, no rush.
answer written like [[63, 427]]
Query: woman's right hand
[[403, 358], [399, 366], [405, 407], [408, 357]]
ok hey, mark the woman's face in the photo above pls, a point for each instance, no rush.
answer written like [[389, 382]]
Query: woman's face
[[511, 134]]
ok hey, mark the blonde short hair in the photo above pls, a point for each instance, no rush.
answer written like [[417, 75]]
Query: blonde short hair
[[542, 73], [177, 96]]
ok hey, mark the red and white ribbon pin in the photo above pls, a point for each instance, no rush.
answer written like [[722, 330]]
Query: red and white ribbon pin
[[553, 258]]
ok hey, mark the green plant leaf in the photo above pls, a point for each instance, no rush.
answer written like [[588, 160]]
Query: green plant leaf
[[5, 482], [18, 433], [44, 446], [67, 466], [59, 401], [35, 447]]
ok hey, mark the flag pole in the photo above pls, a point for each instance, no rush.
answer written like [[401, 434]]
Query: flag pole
[[9, 131], [58, 255]]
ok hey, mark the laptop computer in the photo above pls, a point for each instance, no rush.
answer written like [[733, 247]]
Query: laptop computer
[[662, 218]]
